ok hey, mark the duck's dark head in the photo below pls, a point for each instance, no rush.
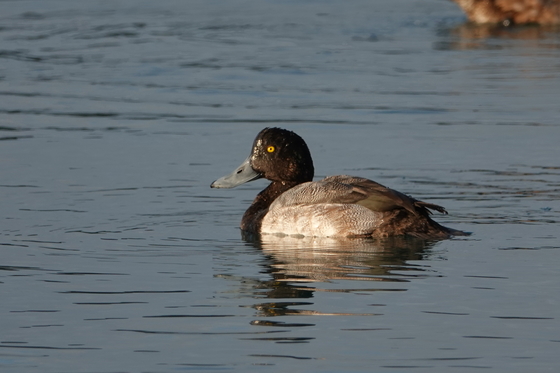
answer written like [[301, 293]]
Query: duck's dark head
[[281, 155], [278, 155]]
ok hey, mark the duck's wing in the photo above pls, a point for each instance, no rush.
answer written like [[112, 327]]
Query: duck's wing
[[377, 197], [345, 189]]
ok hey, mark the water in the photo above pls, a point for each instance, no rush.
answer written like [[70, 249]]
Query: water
[[116, 256]]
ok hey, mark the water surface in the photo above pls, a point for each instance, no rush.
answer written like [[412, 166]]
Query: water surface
[[116, 256]]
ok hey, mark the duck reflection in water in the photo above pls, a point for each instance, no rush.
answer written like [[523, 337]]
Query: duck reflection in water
[[297, 266], [320, 259]]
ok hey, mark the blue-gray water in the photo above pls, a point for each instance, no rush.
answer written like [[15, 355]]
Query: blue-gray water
[[116, 256]]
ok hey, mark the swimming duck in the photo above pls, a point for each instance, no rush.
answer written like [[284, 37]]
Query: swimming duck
[[337, 206], [508, 12]]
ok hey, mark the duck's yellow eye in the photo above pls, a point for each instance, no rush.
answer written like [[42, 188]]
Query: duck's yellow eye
[[270, 149]]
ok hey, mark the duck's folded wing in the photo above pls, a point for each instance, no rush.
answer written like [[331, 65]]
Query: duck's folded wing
[[381, 198], [354, 190]]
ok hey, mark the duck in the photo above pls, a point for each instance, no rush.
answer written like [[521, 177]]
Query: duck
[[336, 206], [511, 12]]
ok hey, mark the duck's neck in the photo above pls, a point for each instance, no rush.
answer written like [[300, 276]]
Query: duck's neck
[[252, 218]]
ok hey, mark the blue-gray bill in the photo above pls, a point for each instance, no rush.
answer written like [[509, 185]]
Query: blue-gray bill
[[242, 174]]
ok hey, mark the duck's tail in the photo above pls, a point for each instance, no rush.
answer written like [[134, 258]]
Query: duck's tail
[[403, 222], [426, 207]]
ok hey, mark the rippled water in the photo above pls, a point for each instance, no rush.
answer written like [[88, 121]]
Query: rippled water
[[116, 256]]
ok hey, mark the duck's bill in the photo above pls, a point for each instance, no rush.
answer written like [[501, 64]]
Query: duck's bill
[[242, 174]]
